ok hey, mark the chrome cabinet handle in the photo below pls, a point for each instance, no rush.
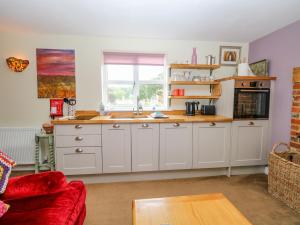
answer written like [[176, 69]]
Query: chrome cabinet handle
[[78, 138], [79, 150], [116, 126], [78, 126], [212, 124], [251, 123], [145, 125], [176, 125]]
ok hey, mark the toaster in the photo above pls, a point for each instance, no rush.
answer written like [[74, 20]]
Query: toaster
[[208, 110]]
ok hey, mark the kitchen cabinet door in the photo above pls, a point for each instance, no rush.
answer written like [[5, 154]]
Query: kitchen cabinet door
[[211, 145], [79, 160], [176, 146], [145, 147], [116, 148], [249, 143]]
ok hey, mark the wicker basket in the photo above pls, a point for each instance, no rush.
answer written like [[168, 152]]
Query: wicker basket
[[284, 176]]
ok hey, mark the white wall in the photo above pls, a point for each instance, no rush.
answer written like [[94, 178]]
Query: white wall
[[19, 105]]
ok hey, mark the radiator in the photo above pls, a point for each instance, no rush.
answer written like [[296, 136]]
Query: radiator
[[18, 143]]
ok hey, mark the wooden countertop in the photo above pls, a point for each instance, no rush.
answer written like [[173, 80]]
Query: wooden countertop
[[171, 119], [247, 78]]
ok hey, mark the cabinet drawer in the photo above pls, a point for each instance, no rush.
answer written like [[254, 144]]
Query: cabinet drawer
[[77, 140], [83, 160], [76, 129]]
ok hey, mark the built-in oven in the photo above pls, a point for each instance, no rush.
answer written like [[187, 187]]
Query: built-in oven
[[251, 99]]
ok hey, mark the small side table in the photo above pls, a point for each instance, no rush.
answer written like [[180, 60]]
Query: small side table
[[49, 160]]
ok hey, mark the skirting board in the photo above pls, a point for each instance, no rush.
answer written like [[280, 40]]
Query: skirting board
[[165, 175], [28, 167]]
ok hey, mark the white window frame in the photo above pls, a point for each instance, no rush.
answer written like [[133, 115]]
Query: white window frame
[[135, 85]]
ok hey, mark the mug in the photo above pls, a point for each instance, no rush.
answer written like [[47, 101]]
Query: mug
[[181, 92], [175, 92]]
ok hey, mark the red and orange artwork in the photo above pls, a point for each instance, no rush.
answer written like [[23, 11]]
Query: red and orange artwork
[[56, 73]]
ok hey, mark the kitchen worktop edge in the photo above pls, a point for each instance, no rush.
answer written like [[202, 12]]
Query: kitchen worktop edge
[[171, 119]]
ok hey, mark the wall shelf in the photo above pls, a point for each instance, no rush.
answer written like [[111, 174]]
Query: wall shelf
[[194, 97], [194, 66], [194, 82], [214, 86], [247, 78]]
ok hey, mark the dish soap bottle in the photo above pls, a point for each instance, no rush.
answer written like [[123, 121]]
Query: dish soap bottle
[[102, 109], [194, 56]]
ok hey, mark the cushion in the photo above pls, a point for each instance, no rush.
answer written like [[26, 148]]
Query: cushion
[[6, 163], [35, 185], [61, 208], [3, 208]]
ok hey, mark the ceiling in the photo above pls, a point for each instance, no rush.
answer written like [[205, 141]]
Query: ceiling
[[213, 20]]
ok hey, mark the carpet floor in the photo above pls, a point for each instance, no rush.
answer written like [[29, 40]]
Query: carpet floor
[[110, 204]]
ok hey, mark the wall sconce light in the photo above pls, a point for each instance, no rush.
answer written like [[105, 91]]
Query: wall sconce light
[[17, 65]]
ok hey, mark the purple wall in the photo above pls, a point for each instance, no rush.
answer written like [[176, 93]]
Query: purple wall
[[282, 49]]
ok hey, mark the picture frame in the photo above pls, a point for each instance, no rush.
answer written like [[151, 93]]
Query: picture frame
[[55, 73], [260, 68], [230, 55]]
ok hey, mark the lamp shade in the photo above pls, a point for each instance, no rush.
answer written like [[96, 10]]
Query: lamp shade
[[17, 65]]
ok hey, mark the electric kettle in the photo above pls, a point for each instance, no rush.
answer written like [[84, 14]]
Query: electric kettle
[[191, 108]]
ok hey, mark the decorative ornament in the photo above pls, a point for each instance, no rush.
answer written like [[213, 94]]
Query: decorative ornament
[[17, 65]]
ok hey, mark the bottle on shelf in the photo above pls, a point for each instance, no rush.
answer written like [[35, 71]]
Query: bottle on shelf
[[194, 56]]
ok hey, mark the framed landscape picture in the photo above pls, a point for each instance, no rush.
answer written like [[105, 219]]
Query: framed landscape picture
[[229, 55], [56, 73], [260, 68]]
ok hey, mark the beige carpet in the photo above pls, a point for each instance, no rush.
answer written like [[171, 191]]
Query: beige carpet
[[110, 204]]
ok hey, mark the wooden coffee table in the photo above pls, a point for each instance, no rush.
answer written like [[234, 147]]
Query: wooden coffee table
[[211, 209]]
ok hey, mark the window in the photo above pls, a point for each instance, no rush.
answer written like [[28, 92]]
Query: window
[[129, 78]]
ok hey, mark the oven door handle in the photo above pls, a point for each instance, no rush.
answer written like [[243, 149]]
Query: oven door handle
[[264, 91]]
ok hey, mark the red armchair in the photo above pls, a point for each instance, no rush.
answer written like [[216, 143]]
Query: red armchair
[[44, 199]]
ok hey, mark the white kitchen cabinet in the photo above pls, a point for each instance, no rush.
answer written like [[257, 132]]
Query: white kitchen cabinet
[[249, 142], [145, 147], [78, 140], [79, 160], [78, 148], [77, 129], [211, 145], [116, 148], [176, 146]]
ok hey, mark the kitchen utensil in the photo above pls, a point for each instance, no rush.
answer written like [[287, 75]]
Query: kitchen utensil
[[210, 60], [71, 102]]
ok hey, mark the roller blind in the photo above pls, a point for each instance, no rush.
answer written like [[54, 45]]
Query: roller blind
[[121, 58]]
